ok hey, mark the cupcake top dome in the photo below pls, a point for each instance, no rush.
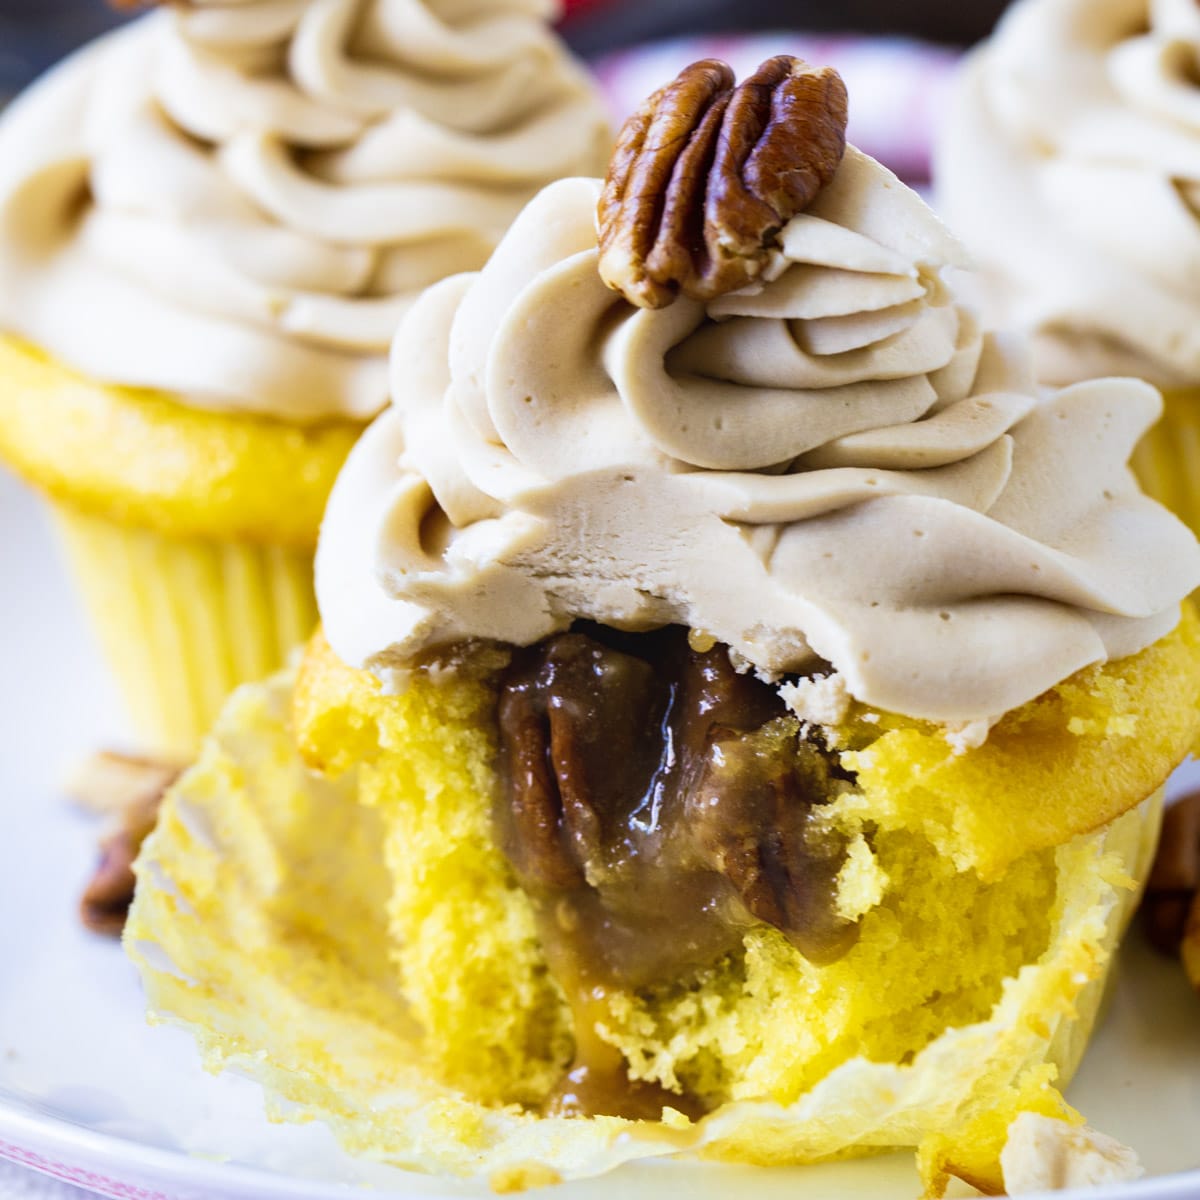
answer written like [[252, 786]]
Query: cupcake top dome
[[830, 463], [235, 200], [1070, 165]]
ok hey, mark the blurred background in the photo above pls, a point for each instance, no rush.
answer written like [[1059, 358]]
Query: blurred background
[[893, 53], [597, 26]]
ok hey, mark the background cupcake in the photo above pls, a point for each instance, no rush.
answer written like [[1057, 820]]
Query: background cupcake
[[757, 698], [1070, 164], [210, 223]]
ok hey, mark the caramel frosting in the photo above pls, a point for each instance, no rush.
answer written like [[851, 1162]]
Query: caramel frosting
[[236, 200], [833, 465], [1070, 165]]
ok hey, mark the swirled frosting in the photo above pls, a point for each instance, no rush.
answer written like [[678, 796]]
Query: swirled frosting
[[834, 464], [236, 200], [1070, 165]]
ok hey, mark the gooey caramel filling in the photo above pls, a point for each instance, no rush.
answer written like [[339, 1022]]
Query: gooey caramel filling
[[656, 805]]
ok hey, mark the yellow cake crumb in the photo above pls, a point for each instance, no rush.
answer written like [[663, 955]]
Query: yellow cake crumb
[[522, 1177]]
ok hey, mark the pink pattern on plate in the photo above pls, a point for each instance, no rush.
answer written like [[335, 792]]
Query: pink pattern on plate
[[95, 1182]]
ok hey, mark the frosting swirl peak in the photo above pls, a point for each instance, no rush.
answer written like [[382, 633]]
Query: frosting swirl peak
[[1070, 164], [236, 200], [834, 464]]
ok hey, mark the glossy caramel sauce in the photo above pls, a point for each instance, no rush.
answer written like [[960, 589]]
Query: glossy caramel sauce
[[656, 805]]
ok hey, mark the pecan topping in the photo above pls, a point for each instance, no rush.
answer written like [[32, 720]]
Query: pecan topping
[[705, 175], [635, 765], [132, 790], [655, 804], [751, 815], [574, 718], [1171, 908]]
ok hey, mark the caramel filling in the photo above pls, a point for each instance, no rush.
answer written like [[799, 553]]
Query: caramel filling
[[656, 805]]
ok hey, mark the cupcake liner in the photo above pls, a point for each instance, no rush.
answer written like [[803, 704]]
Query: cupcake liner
[[260, 924], [1135, 842], [1167, 460], [183, 621]]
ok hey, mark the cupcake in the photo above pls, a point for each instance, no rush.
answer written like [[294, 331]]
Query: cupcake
[[740, 719], [1070, 165], [210, 224]]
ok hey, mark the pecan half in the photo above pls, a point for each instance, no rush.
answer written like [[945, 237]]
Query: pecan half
[[132, 789], [663, 798], [705, 175], [576, 721]]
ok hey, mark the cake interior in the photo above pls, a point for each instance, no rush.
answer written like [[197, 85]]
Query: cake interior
[[625, 876]]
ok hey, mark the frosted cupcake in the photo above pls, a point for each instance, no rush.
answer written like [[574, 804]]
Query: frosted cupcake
[[743, 706], [1070, 165], [210, 224]]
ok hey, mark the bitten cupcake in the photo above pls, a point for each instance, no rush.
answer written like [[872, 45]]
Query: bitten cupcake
[[210, 224], [743, 705], [1070, 165]]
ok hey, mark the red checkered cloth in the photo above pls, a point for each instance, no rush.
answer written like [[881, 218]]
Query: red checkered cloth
[[897, 86]]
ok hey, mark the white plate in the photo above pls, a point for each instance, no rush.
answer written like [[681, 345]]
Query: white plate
[[90, 1093]]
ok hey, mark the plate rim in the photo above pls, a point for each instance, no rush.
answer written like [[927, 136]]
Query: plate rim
[[112, 1152], [36, 1134]]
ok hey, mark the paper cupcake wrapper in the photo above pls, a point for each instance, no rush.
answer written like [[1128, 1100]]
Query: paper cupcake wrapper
[[1167, 460], [288, 974], [182, 622], [1136, 845]]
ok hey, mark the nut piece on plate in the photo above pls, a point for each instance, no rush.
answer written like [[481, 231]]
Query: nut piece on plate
[[107, 783], [131, 790], [1171, 908], [706, 174], [1043, 1154]]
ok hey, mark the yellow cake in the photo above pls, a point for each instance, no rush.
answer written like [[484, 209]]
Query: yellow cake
[[191, 534], [742, 707], [374, 927], [210, 224], [1168, 456]]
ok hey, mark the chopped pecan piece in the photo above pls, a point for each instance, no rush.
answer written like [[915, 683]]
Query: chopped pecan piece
[[705, 175], [575, 719], [752, 815], [534, 817], [132, 789], [108, 783]]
